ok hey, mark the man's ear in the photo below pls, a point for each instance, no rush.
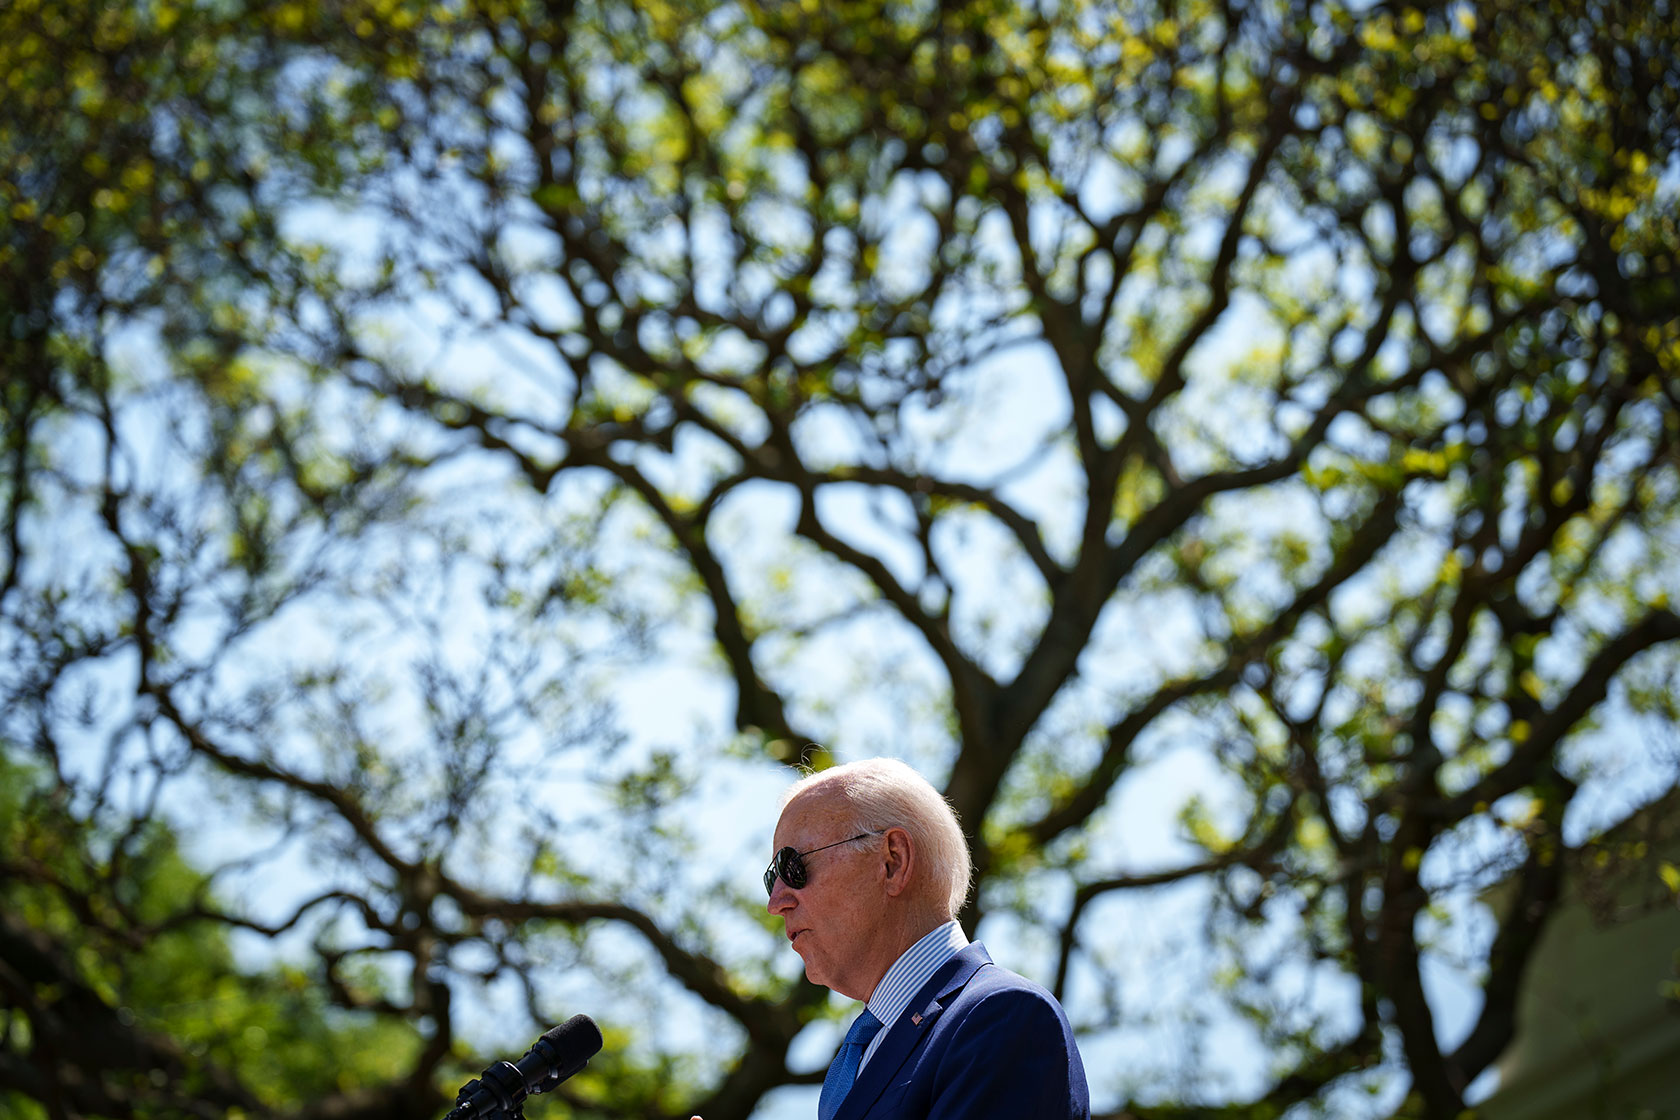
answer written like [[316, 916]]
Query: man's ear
[[898, 860]]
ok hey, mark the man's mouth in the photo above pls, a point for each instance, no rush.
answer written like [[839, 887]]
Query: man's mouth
[[793, 934]]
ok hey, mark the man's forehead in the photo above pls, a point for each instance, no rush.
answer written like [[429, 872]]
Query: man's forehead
[[808, 813]]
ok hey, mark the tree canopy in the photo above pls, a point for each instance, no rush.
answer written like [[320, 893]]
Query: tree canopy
[[459, 456]]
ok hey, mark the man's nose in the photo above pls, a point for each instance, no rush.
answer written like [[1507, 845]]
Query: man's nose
[[782, 897]]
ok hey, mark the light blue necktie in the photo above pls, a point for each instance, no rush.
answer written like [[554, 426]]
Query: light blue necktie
[[842, 1071]]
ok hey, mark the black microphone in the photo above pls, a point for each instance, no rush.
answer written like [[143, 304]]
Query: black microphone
[[558, 1054]]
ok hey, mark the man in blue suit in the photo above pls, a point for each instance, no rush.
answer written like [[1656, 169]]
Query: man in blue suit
[[870, 870]]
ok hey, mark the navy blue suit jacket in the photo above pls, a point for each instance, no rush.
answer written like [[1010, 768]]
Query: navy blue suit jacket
[[976, 1041]]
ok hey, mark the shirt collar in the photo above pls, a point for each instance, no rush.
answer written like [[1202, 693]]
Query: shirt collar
[[912, 970]]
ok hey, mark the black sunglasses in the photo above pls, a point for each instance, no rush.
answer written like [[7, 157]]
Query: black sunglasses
[[789, 865]]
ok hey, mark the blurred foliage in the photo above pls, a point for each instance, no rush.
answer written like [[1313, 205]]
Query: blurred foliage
[[108, 965], [1262, 414]]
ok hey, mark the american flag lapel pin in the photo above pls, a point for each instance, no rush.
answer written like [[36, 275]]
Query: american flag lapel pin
[[916, 1019]]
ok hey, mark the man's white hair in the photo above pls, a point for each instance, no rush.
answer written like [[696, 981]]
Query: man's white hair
[[885, 793]]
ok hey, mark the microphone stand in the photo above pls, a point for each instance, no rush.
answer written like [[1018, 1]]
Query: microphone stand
[[506, 1090]]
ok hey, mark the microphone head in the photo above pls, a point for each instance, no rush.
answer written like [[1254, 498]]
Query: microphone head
[[577, 1036], [561, 1052]]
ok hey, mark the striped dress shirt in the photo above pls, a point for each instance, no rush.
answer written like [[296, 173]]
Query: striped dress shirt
[[905, 978]]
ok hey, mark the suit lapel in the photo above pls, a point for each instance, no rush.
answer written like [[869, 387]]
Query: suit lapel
[[912, 1026]]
